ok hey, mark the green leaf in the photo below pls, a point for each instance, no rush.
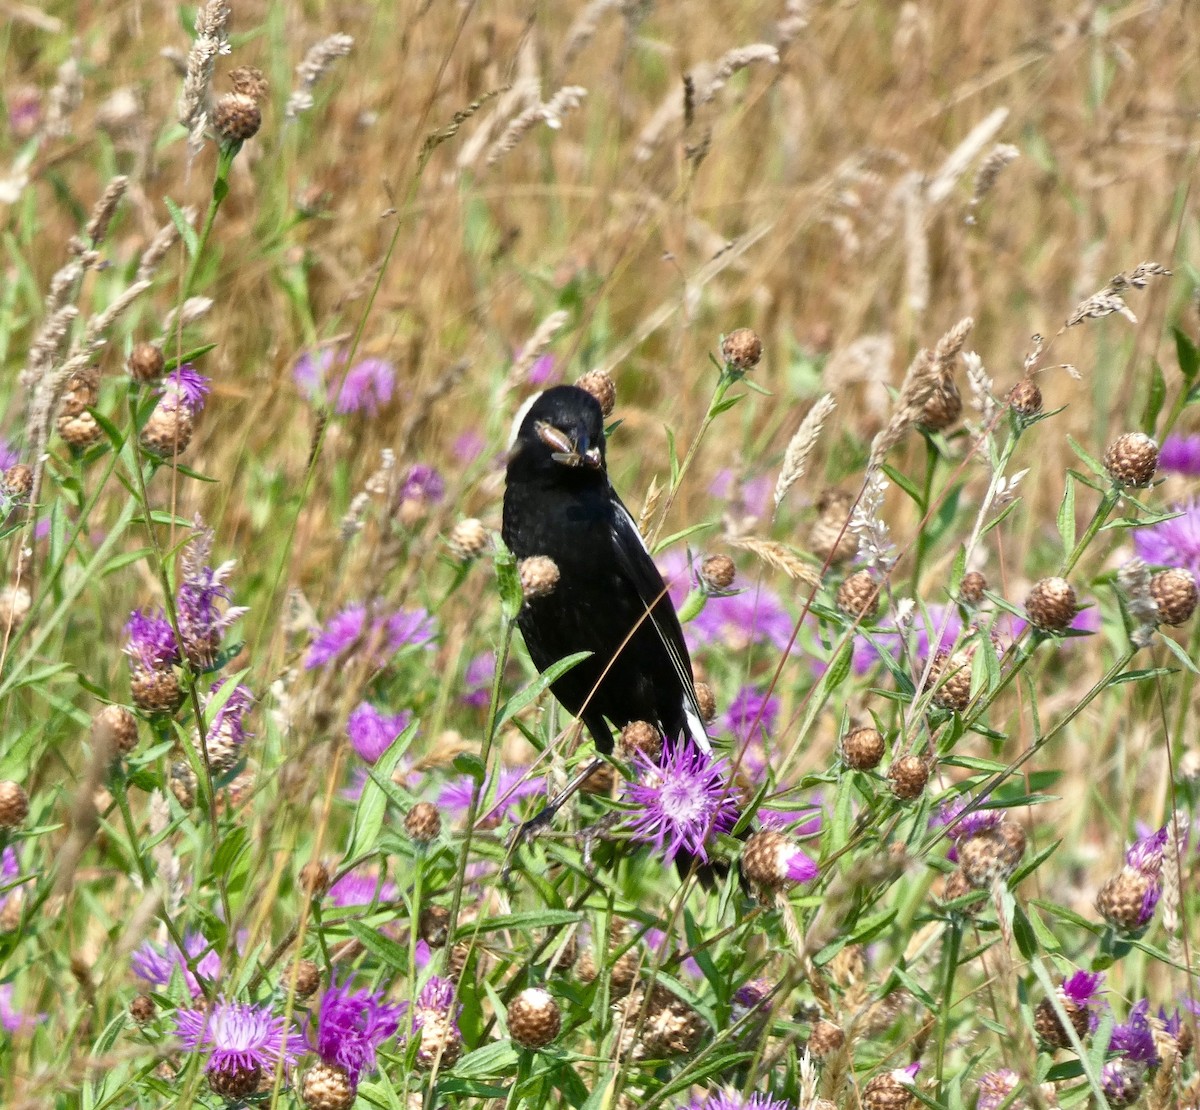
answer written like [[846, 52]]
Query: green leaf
[[1023, 934], [839, 666], [683, 534], [522, 922], [1179, 652], [1092, 464], [1188, 355], [468, 763], [232, 846], [1066, 517], [536, 688], [1155, 397], [176, 361], [187, 233], [725, 405], [907, 484], [673, 456], [512, 597], [372, 805], [382, 947], [1138, 676], [496, 1059], [1000, 517]]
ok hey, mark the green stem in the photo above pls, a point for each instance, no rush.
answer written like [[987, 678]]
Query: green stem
[[931, 458], [226, 153], [1107, 503], [950, 950]]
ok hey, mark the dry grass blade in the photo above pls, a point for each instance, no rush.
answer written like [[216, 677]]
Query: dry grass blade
[[780, 557], [795, 458], [536, 347]]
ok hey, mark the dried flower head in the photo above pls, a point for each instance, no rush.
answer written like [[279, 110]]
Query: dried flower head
[[328, 1087], [741, 349], [423, 823], [717, 573], [467, 539], [1175, 594], [600, 384], [145, 362], [14, 804], [858, 596], [534, 1018], [640, 737], [1131, 460], [1077, 995], [114, 731], [1051, 605], [539, 576], [862, 748], [1025, 399], [971, 588], [907, 777], [772, 860], [830, 538]]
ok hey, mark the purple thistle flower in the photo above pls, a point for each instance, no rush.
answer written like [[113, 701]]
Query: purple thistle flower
[[731, 1100], [151, 643], [243, 1041], [1082, 989], [351, 1025], [437, 997], [11, 895], [1173, 543], [683, 800], [227, 727], [961, 822], [423, 483], [13, 1020], [155, 966], [185, 387], [203, 617], [311, 369], [372, 732], [348, 630], [367, 386], [1122, 1081], [361, 888], [1146, 853], [512, 785], [754, 616], [477, 680], [1180, 455], [750, 705], [1134, 1039], [995, 1087]]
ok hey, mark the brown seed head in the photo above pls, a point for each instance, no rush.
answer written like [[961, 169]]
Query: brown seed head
[[1174, 592], [1121, 900], [829, 539], [983, 857], [640, 736], [886, 1092], [825, 1039], [970, 589], [14, 804], [79, 432], [764, 859], [742, 349], [327, 1087], [1025, 399], [534, 1018], [250, 81], [82, 393], [951, 679], [1050, 1029], [146, 363], [308, 978], [434, 926], [671, 1027], [314, 878], [235, 1081], [862, 748], [957, 886], [237, 117], [600, 384], [142, 1009], [183, 784], [942, 407], [717, 572], [707, 701], [539, 576], [908, 776], [1131, 460], [467, 539], [18, 482], [858, 596], [1051, 605], [169, 430], [114, 731], [441, 1041], [423, 823], [1015, 840]]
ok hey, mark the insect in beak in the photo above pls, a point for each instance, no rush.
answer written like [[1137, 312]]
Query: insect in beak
[[562, 449]]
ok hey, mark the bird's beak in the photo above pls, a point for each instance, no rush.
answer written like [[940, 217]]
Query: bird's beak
[[564, 450]]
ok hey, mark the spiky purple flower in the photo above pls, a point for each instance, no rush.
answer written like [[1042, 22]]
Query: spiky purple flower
[[9, 456], [155, 965], [1133, 1038], [185, 387], [1082, 989], [731, 1100], [13, 1020], [509, 787], [681, 801], [202, 600], [151, 643], [1146, 853], [243, 1042], [372, 733], [423, 483], [752, 712], [367, 386], [543, 371], [1180, 455], [995, 1087], [350, 1027], [361, 888], [437, 997], [1175, 542], [349, 631], [747, 497], [11, 894]]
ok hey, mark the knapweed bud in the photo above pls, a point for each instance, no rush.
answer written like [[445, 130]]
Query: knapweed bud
[[1131, 460], [742, 349], [1050, 605], [991, 854], [829, 538], [1174, 592], [771, 860], [142, 1009], [467, 539], [862, 748], [600, 384], [1025, 398], [908, 776], [114, 731], [14, 804], [957, 886], [169, 430], [942, 407], [15, 603], [434, 926], [423, 823], [858, 596], [18, 482], [81, 394], [314, 878], [534, 1018], [1127, 900], [183, 784], [237, 117], [146, 363], [601, 782], [640, 736], [970, 589], [307, 978], [79, 432], [327, 1087], [825, 1039], [950, 677], [717, 573], [539, 576], [671, 1027], [890, 1091], [1049, 1027], [707, 701]]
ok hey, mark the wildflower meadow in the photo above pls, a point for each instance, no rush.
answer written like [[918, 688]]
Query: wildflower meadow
[[893, 310]]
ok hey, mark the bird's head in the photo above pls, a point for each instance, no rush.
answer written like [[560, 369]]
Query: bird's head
[[561, 427]]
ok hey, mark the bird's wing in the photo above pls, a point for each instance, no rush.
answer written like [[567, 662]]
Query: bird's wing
[[638, 566]]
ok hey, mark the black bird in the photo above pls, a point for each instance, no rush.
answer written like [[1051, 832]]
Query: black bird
[[610, 598]]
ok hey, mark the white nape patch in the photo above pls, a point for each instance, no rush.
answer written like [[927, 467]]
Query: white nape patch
[[696, 728], [519, 419]]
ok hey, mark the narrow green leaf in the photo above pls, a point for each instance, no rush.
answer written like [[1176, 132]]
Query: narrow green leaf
[[379, 945], [512, 597], [520, 922], [187, 233], [907, 484], [540, 684], [1188, 355], [1156, 396], [372, 805], [1066, 517], [1179, 652]]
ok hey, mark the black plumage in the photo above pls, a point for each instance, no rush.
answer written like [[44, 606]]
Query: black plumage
[[610, 599]]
